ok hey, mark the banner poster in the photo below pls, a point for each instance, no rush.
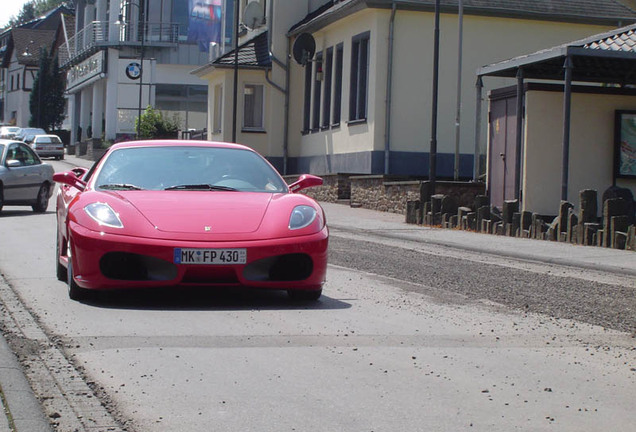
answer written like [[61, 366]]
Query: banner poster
[[205, 22], [626, 146]]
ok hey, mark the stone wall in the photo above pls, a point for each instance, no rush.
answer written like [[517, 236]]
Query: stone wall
[[330, 191], [382, 193]]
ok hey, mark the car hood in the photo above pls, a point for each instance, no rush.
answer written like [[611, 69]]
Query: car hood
[[198, 212]]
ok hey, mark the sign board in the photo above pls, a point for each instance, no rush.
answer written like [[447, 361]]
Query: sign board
[[89, 68]]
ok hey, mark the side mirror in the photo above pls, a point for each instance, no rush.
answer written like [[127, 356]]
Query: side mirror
[[13, 163], [79, 171], [305, 181], [69, 178]]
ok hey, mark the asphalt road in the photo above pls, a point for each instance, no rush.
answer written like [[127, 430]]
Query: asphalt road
[[408, 336]]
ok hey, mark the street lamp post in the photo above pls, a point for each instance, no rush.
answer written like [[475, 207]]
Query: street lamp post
[[142, 19]]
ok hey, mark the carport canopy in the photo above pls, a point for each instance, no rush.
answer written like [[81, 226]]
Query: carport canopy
[[607, 58]]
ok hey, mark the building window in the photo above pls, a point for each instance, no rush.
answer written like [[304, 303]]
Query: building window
[[180, 16], [315, 124], [186, 103], [18, 85], [359, 75], [11, 82], [218, 109], [307, 104], [337, 91], [328, 73], [253, 107]]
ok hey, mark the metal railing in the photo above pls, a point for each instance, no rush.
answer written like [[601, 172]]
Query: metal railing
[[97, 33]]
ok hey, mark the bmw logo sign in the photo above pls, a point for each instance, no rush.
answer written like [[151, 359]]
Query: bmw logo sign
[[133, 70]]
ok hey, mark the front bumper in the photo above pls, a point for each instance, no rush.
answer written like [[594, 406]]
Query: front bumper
[[106, 261]]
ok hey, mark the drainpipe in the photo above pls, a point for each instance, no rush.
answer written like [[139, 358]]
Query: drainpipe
[[283, 90], [389, 92]]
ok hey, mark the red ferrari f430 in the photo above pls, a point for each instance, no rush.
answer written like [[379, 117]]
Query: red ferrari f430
[[188, 213]]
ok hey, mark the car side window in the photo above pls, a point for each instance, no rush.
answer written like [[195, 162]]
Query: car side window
[[30, 157], [22, 154]]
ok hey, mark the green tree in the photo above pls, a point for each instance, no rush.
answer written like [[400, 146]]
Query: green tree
[[155, 125], [46, 101]]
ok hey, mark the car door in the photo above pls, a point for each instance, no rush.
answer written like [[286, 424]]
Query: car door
[[24, 175]]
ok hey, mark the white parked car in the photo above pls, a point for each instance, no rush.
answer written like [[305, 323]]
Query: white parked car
[[8, 132], [46, 145]]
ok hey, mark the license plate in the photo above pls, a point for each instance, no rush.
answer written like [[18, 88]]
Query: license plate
[[210, 256]]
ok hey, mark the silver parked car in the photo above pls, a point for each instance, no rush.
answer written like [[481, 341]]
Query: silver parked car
[[46, 145], [24, 179]]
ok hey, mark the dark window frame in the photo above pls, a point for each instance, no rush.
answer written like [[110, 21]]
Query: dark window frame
[[359, 79], [337, 99]]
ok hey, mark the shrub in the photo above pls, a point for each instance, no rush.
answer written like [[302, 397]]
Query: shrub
[[154, 125]]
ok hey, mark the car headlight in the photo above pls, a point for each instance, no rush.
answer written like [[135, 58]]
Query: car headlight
[[103, 214], [301, 216]]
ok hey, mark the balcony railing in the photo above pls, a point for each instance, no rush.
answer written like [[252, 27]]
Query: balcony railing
[[98, 34]]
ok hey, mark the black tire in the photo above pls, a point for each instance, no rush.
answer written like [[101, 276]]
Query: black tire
[[62, 274], [75, 292], [304, 295], [42, 201]]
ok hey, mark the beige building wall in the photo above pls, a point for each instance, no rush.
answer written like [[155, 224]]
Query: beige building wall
[[486, 40], [591, 147], [344, 139], [224, 79]]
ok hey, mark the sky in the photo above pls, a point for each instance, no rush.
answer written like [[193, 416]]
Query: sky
[[9, 9]]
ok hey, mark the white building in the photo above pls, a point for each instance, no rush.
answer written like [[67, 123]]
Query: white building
[[20, 51], [126, 55]]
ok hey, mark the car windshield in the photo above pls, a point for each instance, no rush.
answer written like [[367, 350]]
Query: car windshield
[[181, 168]]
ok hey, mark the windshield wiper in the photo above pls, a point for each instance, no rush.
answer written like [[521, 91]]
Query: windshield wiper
[[208, 187], [120, 186]]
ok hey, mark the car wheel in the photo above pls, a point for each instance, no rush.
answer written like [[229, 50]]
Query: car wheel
[[75, 292], [42, 200], [62, 274], [304, 295]]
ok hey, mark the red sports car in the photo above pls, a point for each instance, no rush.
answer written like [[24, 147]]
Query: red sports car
[[188, 213]]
